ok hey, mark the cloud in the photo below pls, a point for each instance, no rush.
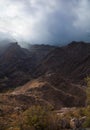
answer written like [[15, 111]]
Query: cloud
[[45, 21]]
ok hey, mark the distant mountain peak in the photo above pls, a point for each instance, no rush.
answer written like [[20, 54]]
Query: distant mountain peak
[[77, 43], [14, 44]]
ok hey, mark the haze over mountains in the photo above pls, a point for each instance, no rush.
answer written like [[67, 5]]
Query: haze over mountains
[[44, 74]]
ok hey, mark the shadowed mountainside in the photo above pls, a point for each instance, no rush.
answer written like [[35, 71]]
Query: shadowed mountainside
[[17, 64], [71, 61], [45, 75]]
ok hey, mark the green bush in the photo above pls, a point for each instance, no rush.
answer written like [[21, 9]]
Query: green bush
[[40, 118], [36, 117]]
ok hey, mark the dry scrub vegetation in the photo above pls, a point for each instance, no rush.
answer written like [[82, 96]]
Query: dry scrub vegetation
[[44, 118], [41, 118]]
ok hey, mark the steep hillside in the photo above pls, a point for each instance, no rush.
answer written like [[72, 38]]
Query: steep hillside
[[40, 51], [42, 91], [72, 61], [17, 64], [45, 75], [53, 90]]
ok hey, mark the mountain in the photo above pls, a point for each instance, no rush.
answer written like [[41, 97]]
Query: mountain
[[71, 61], [45, 75], [17, 64], [40, 51]]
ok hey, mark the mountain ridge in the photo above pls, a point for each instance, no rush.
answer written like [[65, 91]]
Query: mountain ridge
[[45, 74]]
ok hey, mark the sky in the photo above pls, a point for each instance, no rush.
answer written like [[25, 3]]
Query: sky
[[45, 21]]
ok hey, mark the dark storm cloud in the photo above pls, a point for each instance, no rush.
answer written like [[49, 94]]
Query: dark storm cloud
[[45, 21]]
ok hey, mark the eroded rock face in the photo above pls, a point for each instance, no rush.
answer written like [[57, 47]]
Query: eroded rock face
[[76, 124], [72, 124], [64, 123]]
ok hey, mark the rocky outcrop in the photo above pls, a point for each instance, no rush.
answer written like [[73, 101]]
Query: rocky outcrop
[[77, 124]]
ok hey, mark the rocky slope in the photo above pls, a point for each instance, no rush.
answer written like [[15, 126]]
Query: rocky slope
[[71, 61], [53, 91], [45, 75], [17, 64]]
